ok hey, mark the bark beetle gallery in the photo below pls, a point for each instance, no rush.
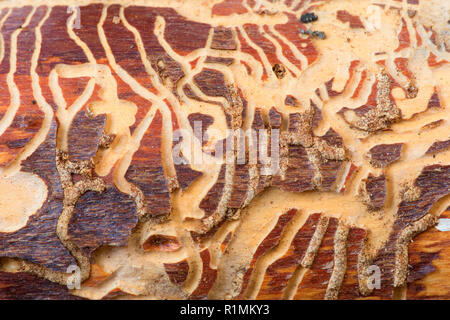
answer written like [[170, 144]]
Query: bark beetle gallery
[[95, 204]]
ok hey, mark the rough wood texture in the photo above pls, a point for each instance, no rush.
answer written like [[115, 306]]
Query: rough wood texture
[[147, 173], [375, 189], [100, 219], [25, 286], [37, 241], [84, 136], [224, 149]]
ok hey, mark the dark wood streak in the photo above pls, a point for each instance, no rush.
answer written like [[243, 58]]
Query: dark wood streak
[[434, 183], [275, 118], [93, 226], [345, 16], [376, 190], [269, 242], [241, 179], [280, 272], [428, 258], [383, 155], [320, 272], [434, 101], [207, 279], [185, 174], [212, 83], [223, 39], [210, 202], [124, 48], [58, 48], [220, 60], [160, 242], [257, 125], [290, 31], [204, 121], [300, 172], [28, 119], [191, 95], [177, 272], [228, 7], [438, 146], [265, 44], [355, 242], [330, 169], [178, 29]]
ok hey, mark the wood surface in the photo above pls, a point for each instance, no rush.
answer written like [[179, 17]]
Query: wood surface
[[224, 149]]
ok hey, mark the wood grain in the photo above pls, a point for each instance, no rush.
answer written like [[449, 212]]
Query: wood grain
[[358, 122]]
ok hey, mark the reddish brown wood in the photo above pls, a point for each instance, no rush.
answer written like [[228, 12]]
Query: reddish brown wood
[[384, 154], [207, 280], [108, 217], [105, 218], [25, 286], [345, 16], [37, 242], [146, 170], [223, 39], [376, 190], [84, 136]]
